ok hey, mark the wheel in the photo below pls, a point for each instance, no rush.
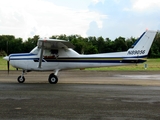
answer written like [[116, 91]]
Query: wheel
[[21, 79], [53, 79]]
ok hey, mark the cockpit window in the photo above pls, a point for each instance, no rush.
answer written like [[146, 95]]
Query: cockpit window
[[50, 53], [54, 51], [46, 52]]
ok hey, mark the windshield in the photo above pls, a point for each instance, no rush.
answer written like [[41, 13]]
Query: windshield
[[35, 50]]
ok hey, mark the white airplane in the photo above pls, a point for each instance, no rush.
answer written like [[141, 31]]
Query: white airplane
[[55, 55]]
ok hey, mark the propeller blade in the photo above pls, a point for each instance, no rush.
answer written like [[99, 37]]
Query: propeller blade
[[8, 58], [8, 66]]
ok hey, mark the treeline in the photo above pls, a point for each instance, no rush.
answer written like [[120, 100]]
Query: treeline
[[90, 45]]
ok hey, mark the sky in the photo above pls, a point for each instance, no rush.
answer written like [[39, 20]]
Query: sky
[[106, 18]]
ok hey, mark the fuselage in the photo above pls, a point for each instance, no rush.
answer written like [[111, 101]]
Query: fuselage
[[70, 59]]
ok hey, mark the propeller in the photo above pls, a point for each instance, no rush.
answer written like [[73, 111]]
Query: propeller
[[7, 58], [8, 66]]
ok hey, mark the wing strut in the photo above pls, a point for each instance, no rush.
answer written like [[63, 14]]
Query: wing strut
[[41, 55]]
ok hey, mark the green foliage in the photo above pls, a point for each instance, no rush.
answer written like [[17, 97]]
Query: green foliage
[[91, 45], [30, 44], [155, 49], [3, 53], [9, 44], [120, 44]]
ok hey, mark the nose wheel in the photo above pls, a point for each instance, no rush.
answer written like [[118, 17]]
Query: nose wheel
[[21, 79]]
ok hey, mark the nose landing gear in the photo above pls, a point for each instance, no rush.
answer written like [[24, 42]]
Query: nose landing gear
[[21, 78]]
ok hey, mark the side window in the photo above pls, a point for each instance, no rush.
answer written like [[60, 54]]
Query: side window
[[46, 53], [54, 53], [50, 53]]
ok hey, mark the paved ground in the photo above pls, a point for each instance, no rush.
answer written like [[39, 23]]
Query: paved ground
[[81, 95]]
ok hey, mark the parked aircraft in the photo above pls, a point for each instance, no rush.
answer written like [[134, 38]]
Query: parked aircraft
[[55, 55]]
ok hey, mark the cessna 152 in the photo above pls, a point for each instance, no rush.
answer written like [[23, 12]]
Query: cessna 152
[[55, 55]]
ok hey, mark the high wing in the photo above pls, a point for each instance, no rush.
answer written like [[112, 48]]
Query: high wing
[[52, 44]]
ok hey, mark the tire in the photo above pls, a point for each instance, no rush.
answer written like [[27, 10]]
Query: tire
[[21, 79], [53, 79]]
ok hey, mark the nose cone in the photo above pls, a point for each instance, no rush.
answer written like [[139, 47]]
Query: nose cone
[[6, 58]]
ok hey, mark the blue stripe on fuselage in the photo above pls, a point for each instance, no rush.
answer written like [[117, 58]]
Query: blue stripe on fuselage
[[95, 61], [84, 59], [21, 54]]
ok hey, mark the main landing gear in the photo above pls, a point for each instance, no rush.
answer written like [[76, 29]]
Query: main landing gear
[[52, 79]]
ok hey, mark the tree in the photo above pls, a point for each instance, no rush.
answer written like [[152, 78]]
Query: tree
[[30, 43], [109, 46], [155, 48], [130, 42], [7, 43], [15, 46], [100, 45], [120, 44]]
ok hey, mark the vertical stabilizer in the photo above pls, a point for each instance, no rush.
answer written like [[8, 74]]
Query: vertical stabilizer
[[143, 44]]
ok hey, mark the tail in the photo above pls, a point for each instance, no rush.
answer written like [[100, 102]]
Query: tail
[[142, 45]]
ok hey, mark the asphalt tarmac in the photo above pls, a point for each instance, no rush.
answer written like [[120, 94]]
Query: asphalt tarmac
[[81, 95]]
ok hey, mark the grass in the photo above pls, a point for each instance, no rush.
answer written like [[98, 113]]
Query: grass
[[152, 65], [3, 64]]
